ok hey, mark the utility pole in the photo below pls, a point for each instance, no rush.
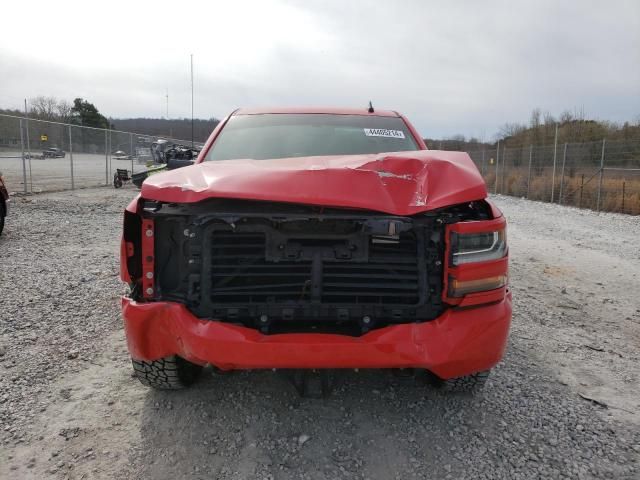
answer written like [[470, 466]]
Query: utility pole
[[167, 117], [167, 97], [192, 100]]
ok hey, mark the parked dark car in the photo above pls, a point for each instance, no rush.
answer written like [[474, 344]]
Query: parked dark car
[[4, 202], [53, 152]]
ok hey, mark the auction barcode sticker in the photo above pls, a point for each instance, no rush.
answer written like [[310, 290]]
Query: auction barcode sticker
[[383, 132]]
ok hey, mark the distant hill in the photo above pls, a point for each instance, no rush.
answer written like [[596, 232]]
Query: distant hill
[[571, 131], [176, 128], [541, 131], [179, 128]]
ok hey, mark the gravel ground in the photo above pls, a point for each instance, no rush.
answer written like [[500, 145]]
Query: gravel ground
[[563, 403]]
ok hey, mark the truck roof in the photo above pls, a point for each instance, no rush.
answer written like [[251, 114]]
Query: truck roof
[[328, 110]]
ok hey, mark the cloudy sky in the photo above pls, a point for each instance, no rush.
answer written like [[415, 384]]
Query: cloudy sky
[[452, 67]]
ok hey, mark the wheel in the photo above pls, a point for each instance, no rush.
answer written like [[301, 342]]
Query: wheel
[[117, 181], [468, 384], [169, 373]]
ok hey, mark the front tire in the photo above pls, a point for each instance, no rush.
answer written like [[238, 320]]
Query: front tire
[[169, 373], [2, 215]]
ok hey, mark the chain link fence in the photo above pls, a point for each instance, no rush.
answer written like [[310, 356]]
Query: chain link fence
[[602, 176], [42, 156]]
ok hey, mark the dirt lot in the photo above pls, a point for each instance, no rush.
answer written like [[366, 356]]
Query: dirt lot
[[564, 403], [54, 174]]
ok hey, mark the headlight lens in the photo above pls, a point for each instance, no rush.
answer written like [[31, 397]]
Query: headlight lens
[[478, 247]]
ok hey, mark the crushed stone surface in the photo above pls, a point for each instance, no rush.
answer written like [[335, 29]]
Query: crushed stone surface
[[563, 403]]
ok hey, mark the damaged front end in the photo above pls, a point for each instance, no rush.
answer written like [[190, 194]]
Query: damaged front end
[[289, 268], [313, 241]]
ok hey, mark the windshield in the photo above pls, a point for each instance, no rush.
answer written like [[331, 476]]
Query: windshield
[[279, 135]]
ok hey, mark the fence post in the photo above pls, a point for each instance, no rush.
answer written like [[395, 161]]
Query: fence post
[[581, 190], [604, 140], [73, 186], [504, 166], [24, 165], [564, 160], [529, 174], [623, 185], [106, 159], [495, 186], [110, 148], [555, 151], [28, 145], [131, 150]]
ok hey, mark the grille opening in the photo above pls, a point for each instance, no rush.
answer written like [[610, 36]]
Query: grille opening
[[390, 277], [305, 268], [240, 273]]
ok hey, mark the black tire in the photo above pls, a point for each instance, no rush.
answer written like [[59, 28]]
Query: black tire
[[117, 182], [2, 214], [473, 383], [169, 373]]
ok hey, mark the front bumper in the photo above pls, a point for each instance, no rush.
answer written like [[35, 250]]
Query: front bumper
[[459, 342]]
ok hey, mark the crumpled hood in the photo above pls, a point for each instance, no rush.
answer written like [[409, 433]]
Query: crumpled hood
[[399, 183]]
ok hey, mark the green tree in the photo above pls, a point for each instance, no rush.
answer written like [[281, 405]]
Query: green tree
[[86, 114]]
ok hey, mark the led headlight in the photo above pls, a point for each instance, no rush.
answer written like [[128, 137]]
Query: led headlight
[[478, 247]]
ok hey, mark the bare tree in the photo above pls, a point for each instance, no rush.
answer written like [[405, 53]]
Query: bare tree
[[536, 117], [549, 127], [549, 119], [44, 108], [511, 129], [535, 123], [63, 109], [566, 117]]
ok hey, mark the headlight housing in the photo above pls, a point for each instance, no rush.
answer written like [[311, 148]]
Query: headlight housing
[[478, 247]]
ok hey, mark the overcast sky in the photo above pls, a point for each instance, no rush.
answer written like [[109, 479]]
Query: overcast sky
[[451, 67]]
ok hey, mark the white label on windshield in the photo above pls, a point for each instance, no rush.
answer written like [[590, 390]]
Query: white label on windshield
[[383, 132]]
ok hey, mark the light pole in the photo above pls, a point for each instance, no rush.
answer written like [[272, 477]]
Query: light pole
[[192, 100]]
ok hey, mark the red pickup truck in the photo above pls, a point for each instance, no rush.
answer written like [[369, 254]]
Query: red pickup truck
[[316, 238]]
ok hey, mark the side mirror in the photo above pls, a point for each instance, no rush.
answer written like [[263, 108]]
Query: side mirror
[[174, 163]]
